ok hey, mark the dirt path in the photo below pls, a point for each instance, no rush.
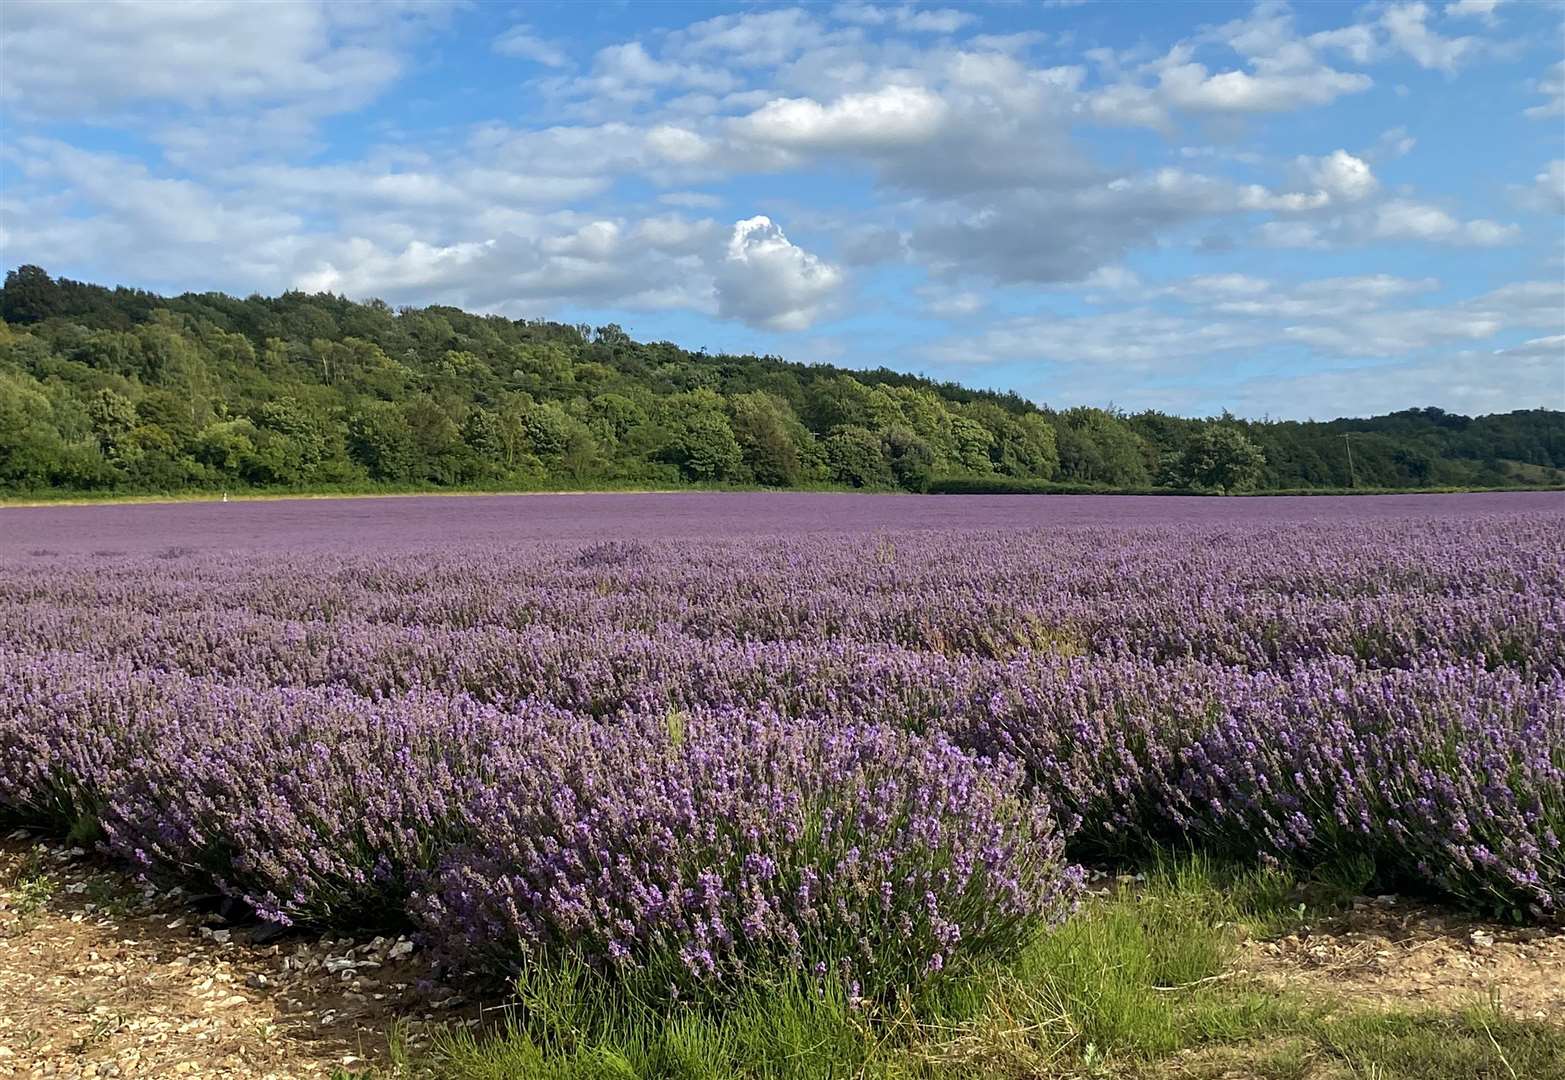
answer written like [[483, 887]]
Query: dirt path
[[1387, 952], [98, 979]]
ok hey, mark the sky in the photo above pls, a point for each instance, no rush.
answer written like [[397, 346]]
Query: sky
[[1284, 211]]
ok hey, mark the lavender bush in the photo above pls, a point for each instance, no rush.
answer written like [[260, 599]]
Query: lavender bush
[[466, 727], [741, 845]]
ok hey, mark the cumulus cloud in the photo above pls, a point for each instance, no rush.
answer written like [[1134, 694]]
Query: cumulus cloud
[[1341, 175], [1278, 71], [968, 159], [767, 281], [895, 115], [367, 268]]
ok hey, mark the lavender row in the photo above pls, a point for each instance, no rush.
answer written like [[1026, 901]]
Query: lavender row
[[1392, 595], [685, 852], [1451, 779]]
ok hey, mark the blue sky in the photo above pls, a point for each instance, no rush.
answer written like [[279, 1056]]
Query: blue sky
[[1316, 210]]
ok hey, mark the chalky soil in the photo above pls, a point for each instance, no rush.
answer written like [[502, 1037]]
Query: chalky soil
[[99, 978]]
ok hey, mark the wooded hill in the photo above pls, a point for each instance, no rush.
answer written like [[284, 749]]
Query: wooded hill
[[123, 390]]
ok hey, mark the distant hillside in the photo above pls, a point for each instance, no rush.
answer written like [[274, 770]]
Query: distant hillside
[[122, 390]]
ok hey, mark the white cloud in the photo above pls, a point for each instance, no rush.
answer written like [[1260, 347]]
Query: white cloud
[[98, 59], [1159, 357], [1114, 279], [1357, 42], [1405, 219], [1407, 27], [1552, 85], [1472, 9], [1132, 340], [1190, 86], [1341, 175], [1470, 382], [1279, 71], [1543, 348], [679, 145], [948, 304], [967, 160], [1394, 143], [1065, 232], [891, 116], [368, 269], [768, 281], [1225, 285], [628, 72], [753, 39], [905, 17], [1290, 234], [1547, 193], [520, 41]]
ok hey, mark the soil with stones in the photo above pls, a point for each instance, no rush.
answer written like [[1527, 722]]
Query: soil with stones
[[1387, 952], [101, 978]]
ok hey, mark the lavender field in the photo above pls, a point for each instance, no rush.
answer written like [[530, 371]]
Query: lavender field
[[688, 738]]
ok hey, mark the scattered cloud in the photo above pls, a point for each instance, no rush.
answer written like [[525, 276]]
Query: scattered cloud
[[521, 42], [1405, 219], [767, 281], [1375, 336], [905, 17], [1547, 192], [1407, 27], [1472, 9], [1191, 86], [71, 59], [911, 152], [893, 116], [1552, 86], [1341, 176]]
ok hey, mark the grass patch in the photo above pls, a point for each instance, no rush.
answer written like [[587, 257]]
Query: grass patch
[[1132, 979], [1476, 1044], [31, 886], [1139, 984]]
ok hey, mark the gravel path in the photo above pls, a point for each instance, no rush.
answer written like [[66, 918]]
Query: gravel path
[[98, 979], [1386, 952]]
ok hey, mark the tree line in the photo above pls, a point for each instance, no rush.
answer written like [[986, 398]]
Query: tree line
[[123, 390]]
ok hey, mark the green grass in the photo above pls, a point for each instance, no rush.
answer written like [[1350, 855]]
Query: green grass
[[1139, 984], [31, 886], [1478, 1043]]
